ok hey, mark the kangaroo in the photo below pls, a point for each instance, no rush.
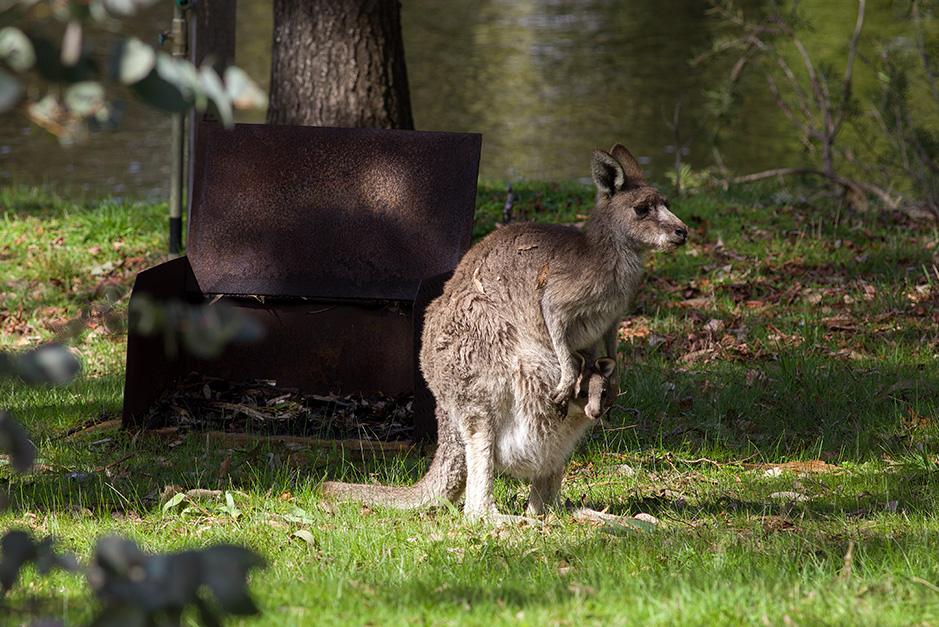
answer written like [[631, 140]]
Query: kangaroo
[[498, 346], [593, 383]]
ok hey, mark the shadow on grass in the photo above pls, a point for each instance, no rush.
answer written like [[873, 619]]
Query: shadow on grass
[[798, 403]]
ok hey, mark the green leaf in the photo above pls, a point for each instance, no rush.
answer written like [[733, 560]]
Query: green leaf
[[16, 49], [450, 506], [626, 527], [132, 61], [299, 515], [11, 91], [173, 502], [230, 507], [85, 99]]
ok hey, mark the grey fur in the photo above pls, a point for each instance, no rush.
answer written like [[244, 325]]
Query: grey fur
[[499, 348]]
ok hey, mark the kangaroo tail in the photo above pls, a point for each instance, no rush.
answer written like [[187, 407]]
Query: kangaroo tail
[[445, 478]]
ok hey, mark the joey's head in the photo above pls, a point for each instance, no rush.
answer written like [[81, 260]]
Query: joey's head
[[635, 213], [590, 391]]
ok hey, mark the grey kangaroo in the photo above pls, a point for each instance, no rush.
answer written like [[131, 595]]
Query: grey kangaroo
[[499, 347]]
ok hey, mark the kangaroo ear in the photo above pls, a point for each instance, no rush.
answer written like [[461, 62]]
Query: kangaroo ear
[[580, 359], [605, 366], [607, 173], [616, 170], [631, 168]]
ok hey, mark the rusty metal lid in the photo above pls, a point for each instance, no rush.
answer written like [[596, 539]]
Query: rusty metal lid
[[328, 212]]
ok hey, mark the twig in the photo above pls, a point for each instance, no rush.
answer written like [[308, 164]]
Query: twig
[[930, 74], [509, 204], [704, 460], [701, 460], [881, 193], [852, 53], [100, 423], [115, 463]]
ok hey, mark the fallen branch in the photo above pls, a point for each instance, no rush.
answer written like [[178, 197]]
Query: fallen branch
[[847, 184]]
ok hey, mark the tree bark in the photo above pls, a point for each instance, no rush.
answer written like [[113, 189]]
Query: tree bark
[[339, 63]]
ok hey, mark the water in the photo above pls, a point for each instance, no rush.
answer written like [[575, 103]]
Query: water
[[546, 82]]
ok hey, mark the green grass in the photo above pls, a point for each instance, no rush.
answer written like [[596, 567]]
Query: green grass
[[784, 334]]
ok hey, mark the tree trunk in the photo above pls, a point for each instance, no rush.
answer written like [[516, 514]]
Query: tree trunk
[[339, 63]]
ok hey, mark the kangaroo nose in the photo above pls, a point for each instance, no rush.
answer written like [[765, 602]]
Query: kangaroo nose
[[682, 233]]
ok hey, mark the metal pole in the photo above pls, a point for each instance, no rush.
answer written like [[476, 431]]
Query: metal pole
[[177, 155]]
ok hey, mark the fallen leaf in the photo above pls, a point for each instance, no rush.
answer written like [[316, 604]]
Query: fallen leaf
[[306, 536], [795, 497], [796, 468]]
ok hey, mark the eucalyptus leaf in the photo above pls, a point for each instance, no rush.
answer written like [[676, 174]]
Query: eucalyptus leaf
[[47, 111], [126, 7], [190, 81], [215, 90], [72, 43], [15, 443], [17, 549], [11, 91], [167, 86], [132, 60], [16, 49], [85, 99], [48, 59], [225, 571], [243, 92], [49, 363]]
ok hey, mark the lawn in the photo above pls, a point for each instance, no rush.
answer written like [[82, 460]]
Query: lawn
[[778, 420]]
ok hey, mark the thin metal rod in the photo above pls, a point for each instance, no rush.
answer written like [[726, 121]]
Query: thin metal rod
[[177, 156]]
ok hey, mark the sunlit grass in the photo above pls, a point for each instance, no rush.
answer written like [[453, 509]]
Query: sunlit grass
[[778, 419]]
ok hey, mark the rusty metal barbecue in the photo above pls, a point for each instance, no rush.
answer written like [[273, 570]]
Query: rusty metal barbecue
[[334, 239]]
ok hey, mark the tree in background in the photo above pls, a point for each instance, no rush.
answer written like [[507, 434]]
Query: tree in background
[[894, 156], [339, 64]]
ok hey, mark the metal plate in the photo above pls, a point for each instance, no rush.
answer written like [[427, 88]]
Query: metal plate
[[326, 212]]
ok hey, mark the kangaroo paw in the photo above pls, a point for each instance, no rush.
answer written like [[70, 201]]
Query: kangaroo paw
[[563, 393]]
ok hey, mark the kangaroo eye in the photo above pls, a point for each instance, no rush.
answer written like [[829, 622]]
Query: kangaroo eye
[[642, 210]]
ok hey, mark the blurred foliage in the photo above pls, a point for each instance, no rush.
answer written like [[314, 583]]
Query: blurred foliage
[[141, 589], [48, 363], [202, 330], [50, 73], [134, 588], [17, 549]]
